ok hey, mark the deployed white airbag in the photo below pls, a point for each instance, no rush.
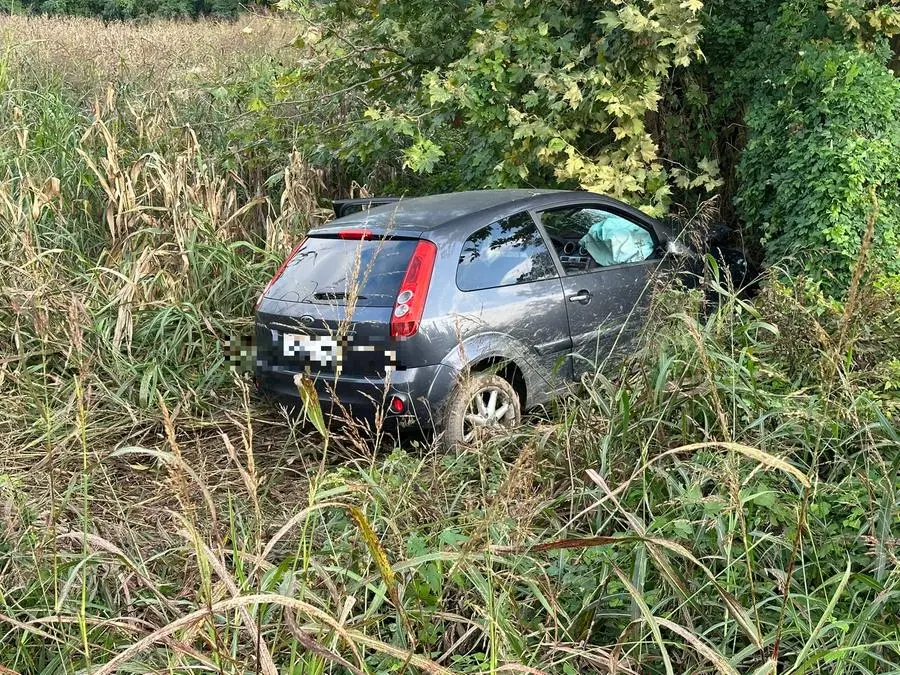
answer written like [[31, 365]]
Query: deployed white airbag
[[612, 240]]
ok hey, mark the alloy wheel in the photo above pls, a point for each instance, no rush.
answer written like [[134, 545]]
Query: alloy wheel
[[488, 411]]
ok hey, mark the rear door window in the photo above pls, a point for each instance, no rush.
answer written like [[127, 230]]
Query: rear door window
[[362, 272], [507, 252]]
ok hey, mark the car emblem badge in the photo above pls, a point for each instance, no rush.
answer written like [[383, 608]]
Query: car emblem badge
[[307, 320]]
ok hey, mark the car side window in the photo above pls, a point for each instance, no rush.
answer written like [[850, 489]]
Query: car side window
[[589, 237], [507, 252]]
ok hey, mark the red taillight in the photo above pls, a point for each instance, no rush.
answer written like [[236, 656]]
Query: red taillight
[[356, 234], [410, 303], [279, 272]]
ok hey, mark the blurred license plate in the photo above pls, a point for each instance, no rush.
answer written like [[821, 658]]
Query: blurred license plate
[[323, 350]]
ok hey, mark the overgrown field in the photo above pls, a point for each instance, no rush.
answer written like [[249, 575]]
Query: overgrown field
[[728, 501]]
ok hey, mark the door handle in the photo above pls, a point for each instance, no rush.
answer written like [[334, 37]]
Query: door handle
[[582, 296]]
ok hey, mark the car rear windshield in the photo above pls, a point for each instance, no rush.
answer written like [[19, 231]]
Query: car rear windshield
[[329, 270]]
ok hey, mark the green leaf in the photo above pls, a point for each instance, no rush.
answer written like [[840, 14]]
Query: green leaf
[[826, 615], [312, 409], [422, 156]]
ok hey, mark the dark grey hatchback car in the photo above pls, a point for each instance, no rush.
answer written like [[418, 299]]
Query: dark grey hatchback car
[[456, 311]]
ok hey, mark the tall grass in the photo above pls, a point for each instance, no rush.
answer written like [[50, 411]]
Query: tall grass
[[131, 247], [726, 501], [176, 56]]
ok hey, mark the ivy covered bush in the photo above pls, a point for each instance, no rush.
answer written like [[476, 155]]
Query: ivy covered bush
[[823, 156]]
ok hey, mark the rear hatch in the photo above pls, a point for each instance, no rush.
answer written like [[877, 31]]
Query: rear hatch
[[330, 310]]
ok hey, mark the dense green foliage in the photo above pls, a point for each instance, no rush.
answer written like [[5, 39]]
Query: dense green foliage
[[810, 84], [497, 94], [822, 157]]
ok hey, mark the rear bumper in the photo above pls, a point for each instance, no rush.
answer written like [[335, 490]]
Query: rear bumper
[[424, 391]]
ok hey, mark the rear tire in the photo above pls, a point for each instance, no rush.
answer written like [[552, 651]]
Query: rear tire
[[482, 405]]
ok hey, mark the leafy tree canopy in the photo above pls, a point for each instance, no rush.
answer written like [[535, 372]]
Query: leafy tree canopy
[[491, 94]]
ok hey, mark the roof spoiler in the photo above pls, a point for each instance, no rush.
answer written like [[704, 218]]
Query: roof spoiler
[[345, 207]]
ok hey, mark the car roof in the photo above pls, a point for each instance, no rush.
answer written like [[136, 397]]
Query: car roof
[[433, 211], [417, 215]]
